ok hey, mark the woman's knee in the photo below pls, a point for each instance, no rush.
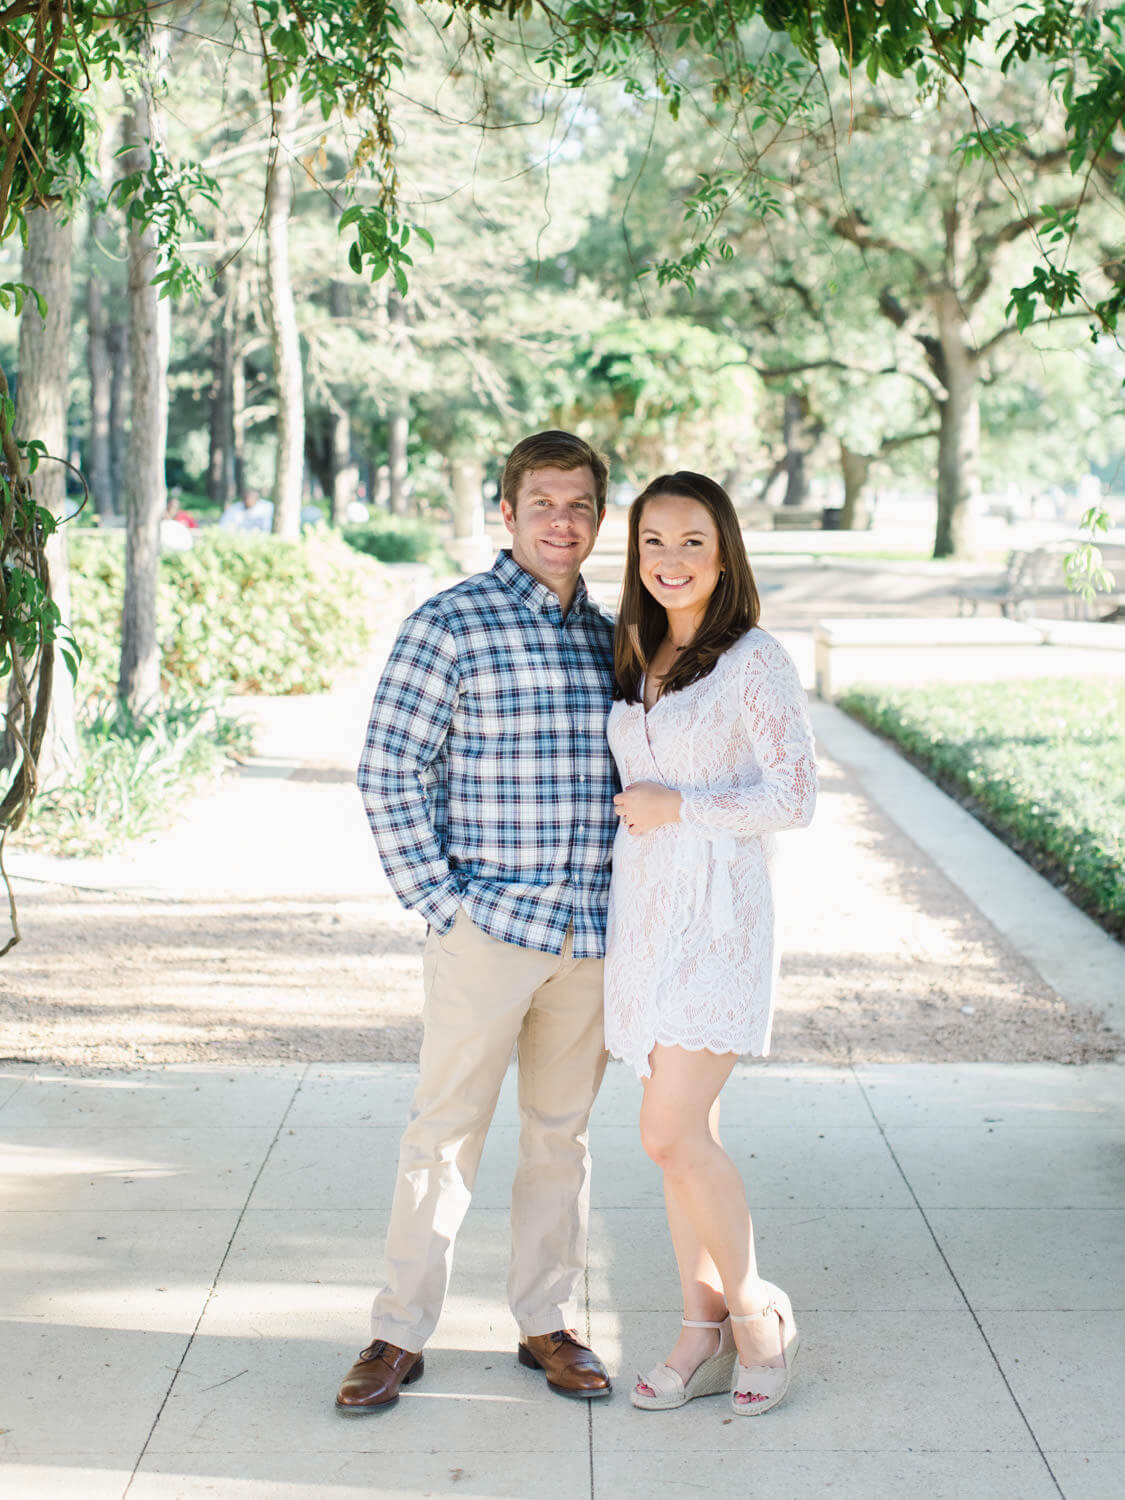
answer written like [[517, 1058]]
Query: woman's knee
[[669, 1143]]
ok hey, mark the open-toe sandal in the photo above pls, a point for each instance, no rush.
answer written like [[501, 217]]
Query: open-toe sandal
[[757, 1388], [707, 1379]]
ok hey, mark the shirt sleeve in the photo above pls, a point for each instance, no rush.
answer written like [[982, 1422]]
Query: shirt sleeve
[[774, 712], [406, 734]]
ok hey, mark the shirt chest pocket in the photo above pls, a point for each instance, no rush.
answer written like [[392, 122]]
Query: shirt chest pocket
[[527, 698]]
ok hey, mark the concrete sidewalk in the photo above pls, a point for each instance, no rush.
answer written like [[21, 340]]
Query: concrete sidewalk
[[189, 1256]]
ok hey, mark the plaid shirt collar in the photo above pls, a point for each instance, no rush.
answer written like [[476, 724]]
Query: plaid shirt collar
[[537, 596]]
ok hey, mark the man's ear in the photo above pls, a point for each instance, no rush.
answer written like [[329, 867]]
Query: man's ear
[[509, 516]]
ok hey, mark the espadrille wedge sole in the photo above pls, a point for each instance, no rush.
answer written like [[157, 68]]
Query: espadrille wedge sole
[[710, 1378], [762, 1387]]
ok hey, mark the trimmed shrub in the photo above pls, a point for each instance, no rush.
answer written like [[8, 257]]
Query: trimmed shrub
[[398, 539], [1041, 762], [238, 613]]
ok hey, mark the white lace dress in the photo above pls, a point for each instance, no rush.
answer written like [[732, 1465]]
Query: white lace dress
[[691, 946]]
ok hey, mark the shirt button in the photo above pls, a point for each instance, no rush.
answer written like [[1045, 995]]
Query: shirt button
[[581, 828], [582, 778]]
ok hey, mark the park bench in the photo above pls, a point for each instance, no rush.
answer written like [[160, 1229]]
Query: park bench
[[1036, 574], [794, 518], [1029, 574]]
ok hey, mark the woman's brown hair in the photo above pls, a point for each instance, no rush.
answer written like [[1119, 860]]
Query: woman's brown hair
[[642, 623]]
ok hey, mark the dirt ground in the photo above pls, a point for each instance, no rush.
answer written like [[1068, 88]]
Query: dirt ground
[[885, 961]]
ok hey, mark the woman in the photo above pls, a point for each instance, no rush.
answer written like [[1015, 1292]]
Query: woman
[[712, 740]]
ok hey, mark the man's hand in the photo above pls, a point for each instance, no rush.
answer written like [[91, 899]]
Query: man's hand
[[647, 805]]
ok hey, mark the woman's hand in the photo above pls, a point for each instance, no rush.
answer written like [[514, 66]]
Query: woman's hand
[[647, 805]]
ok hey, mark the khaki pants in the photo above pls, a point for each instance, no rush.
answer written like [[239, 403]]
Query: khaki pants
[[483, 997]]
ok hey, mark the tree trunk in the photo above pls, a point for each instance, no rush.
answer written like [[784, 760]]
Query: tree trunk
[[41, 412], [99, 468], [379, 484], [855, 468], [238, 393], [398, 423], [794, 417], [220, 465], [398, 436], [149, 333], [345, 469], [318, 448], [117, 346], [958, 434], [470, 546], [284, 339]]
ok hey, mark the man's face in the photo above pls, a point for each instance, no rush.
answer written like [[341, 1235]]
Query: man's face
[[554, 525]]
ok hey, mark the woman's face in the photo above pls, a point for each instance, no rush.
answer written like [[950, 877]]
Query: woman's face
[[679, 555]]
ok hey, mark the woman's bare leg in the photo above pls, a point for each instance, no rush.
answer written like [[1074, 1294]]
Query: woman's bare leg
[[710, 1224], [700, 1283]]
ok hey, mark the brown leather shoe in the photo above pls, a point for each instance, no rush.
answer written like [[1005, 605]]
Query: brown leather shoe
[[572, 1368], [373, 1381]]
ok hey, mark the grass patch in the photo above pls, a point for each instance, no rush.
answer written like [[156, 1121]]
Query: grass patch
[[1041, 763], [136, 772]]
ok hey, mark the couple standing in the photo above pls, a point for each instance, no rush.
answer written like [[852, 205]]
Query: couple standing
[[490, 788]]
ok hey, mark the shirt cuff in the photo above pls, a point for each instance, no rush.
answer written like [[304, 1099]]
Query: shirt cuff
[[440, 906]]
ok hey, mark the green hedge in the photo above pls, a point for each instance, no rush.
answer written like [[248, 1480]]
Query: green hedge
[[1042, 763], [398, 539], [235, 614]]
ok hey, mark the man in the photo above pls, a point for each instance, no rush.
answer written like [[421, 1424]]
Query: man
[[489, 788], [251, 513]]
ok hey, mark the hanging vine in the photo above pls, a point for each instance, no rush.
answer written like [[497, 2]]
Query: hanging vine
[[35, 117]]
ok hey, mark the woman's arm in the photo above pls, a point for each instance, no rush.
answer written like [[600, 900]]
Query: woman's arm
[[775, 714]]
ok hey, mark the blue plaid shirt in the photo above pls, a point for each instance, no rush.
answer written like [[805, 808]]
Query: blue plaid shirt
[[486, 775]]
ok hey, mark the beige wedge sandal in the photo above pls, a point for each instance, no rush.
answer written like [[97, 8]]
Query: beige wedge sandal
[[710, 1378], [763, 1386]]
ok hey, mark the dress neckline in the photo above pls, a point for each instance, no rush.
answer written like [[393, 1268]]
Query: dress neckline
[[645, 710]]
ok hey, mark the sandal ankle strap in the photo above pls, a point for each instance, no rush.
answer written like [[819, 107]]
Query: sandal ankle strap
[[763, 1312], [694, 1323]]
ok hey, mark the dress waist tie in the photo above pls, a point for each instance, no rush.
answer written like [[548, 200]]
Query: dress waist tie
[[717, 852]]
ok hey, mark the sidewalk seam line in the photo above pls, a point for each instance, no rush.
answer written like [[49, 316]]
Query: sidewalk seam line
[[960, 1289], [218, 1273], [589, 1338]]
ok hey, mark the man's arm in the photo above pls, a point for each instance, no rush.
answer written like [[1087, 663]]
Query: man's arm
[[410, 718]]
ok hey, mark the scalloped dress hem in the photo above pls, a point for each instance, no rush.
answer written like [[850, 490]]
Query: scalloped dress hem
[[639, 1062]]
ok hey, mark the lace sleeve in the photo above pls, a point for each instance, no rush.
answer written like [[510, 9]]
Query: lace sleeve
[[774, 712]]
